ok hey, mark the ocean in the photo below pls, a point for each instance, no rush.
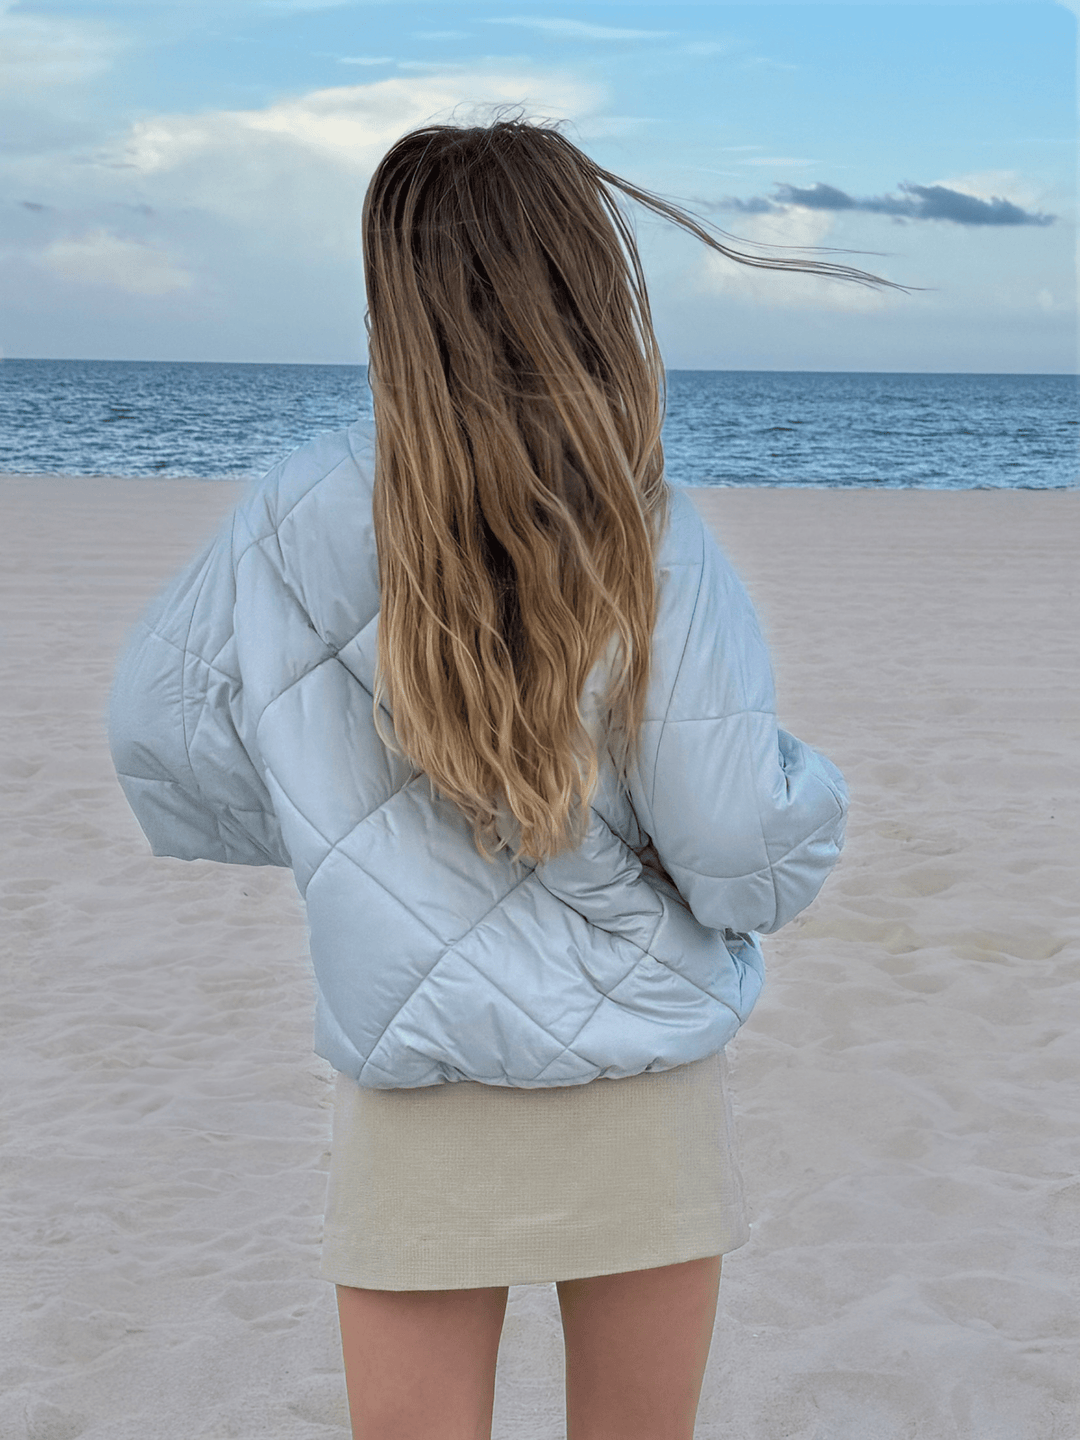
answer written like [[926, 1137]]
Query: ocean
[[723, 427]]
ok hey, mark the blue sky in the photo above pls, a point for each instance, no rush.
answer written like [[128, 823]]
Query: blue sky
[[184, 181]]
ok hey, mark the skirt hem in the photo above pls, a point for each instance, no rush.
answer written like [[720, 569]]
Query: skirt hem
[[338, 1270]]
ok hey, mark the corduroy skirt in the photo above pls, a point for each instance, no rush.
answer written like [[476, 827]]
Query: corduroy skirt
[[456, 1186]]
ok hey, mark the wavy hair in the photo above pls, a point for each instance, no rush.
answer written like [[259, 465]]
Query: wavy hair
[[519, 489]]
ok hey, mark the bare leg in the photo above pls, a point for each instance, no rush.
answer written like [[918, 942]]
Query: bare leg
[[636, 1348], [421, 1363]]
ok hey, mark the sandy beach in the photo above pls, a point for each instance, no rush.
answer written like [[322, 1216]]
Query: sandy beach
[[906, 1092]]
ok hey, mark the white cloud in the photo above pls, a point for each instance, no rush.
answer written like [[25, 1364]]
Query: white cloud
[[101, 258], [578, 29], [48, 51], [350, 126], [287, 180], [776, 289], [366, 59]]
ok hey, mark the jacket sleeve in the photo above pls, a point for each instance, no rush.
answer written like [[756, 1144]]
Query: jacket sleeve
[[747, 820], [174, 724]]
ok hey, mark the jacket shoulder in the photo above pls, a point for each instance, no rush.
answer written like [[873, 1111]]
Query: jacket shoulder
[[683, 542], [318, 473], [705, 622], [306, 531]]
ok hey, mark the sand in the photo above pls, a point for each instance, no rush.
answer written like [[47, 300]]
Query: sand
[[906, 1092]]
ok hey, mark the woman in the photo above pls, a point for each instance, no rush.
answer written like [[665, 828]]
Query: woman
[[493, 693]]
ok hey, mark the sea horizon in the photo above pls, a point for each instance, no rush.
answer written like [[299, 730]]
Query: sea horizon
[[362, 365], [821, 429]]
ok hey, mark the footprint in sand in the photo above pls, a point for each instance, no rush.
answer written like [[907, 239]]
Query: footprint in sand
[[924, 881], [45, 1421], [15, 768], [999, 947]]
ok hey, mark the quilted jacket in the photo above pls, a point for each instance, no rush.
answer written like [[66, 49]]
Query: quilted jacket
[[242, 730]]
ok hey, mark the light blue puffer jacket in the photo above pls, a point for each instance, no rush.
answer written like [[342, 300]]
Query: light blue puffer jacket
[[241, 727]]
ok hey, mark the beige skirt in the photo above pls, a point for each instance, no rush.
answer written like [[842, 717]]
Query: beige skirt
[[456, 1186]]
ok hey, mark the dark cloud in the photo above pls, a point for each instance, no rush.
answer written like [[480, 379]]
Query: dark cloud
[[816, 197], [914, 202], [34, 205], [937, 202]]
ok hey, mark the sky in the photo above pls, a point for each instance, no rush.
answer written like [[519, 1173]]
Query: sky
[[183, 181]]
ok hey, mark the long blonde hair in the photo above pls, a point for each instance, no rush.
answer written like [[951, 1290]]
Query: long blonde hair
[[519, 490]]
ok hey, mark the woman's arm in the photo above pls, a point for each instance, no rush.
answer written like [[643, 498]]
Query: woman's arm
[[174, 724], [747, 820]]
